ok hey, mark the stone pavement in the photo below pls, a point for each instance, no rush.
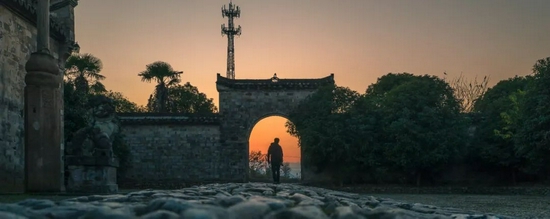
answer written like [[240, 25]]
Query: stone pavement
[[232, 201]]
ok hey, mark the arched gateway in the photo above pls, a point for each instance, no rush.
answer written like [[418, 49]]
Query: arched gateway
[[244, 102]]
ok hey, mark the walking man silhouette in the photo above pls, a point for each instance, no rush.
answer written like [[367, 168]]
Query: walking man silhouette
[[275, 158]]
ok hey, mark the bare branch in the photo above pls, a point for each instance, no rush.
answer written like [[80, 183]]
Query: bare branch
[[468, 91]]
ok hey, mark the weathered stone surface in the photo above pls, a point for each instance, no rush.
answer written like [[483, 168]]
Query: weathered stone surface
[[213, 201], [17, 42], [92, 179], [44, 129], [172, 152]]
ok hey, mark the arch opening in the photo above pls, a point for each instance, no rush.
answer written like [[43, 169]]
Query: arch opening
[[261, 134]]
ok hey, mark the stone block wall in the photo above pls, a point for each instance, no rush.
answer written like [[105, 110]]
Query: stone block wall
[[171, 148], [17, 42]]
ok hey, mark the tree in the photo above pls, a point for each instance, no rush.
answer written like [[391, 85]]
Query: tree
[[420, 121], [533, 137], [165, 76], [366, 126], [84, 70], [81, 76], [122, 104], [320, 123], [468, 92], [185, 99], [500, 109], [286, 170], [74, 112], [257, 164]]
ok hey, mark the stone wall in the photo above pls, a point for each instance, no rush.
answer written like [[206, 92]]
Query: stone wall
[[17, 41], [171, 148]]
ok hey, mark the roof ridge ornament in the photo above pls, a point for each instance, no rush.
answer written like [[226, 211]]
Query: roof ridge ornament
[[274, 79]]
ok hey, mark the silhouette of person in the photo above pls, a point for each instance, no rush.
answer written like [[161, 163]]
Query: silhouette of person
[[275, 158]]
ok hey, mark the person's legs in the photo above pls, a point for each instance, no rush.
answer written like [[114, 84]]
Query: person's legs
[[279, 174], [276, 172], [273, 172]]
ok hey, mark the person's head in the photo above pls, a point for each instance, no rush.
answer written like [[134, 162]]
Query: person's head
[[276, 140]]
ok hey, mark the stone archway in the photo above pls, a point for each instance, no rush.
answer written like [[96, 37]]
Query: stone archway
[[288, 149], [244, 102]]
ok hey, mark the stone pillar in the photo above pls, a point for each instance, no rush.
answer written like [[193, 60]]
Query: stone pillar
[[43, 26], [43, 152], [93, 175]]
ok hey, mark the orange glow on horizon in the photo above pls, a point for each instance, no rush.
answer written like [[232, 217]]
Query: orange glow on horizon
[[266, 130]]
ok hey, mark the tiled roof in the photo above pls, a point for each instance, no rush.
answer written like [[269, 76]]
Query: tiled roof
[[269, 84], [27, 9]]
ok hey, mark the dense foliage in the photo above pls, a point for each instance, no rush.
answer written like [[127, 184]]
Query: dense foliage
[[183, 99], [533, 127], [500, 109], [398, 126], [421, 129], [83, 70], [321, 124]]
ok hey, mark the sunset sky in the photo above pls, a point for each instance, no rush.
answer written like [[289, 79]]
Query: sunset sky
[[357, 40]]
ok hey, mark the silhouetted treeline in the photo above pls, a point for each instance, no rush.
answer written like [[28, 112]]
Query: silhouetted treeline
[[423, 130]]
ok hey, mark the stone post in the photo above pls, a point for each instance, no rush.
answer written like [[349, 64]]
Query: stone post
[[43, 151]]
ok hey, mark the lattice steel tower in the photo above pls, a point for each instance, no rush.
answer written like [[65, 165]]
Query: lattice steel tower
[[231, 12]]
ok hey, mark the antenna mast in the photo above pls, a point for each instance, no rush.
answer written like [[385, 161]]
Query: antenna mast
[[231, 12]]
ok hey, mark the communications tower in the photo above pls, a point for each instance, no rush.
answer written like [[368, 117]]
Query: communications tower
[[231, 12]]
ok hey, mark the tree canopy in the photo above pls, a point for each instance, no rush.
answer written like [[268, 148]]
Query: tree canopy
[[165, 76], [319, 122], [184, 99], [533, 137], [408, 124], [499, 108], [84, 70]]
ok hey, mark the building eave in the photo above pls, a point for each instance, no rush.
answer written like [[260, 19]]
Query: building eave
[[269, 84], [27, 11]]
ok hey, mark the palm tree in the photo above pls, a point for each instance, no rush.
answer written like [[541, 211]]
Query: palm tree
[[83, 69], [165, 76]]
